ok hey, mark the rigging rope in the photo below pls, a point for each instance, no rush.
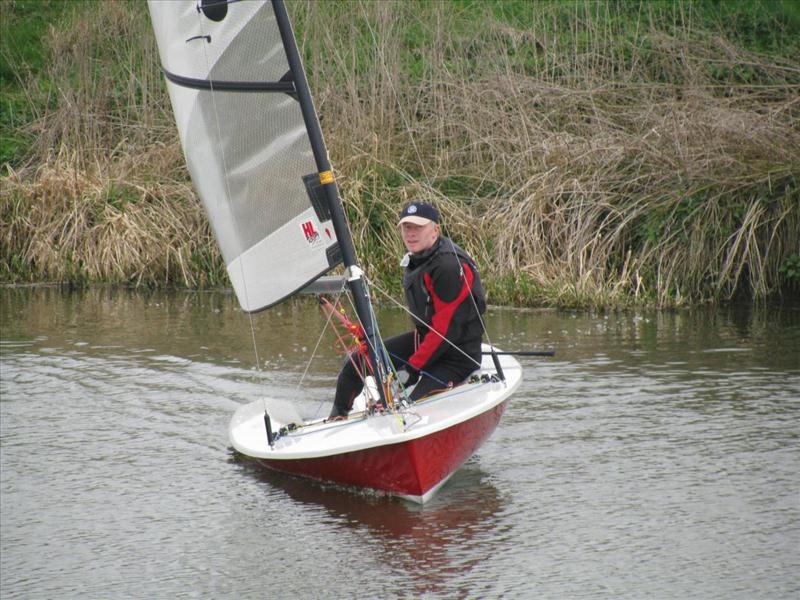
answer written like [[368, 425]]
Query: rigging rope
[[387, 372], [316, 347], [416, 318]]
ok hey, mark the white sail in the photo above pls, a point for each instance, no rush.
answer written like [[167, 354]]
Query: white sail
[[246, 144]]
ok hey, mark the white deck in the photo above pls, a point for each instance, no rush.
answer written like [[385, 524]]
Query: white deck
[[248, 434]]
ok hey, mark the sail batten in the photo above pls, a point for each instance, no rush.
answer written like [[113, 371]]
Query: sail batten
[[246, 145], [284, 87]]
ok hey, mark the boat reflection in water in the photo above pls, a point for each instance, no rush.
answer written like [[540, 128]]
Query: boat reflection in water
[[440, 545]]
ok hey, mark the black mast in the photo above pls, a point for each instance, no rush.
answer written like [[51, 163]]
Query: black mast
[[355, 279]]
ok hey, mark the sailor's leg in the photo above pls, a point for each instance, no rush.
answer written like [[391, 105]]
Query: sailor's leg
[[441, 376], [400, 348], [348, 386]]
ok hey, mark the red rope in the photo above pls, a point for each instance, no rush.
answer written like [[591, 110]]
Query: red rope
[[358, 345]]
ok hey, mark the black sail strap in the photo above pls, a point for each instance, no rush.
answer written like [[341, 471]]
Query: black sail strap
[[284, 86]]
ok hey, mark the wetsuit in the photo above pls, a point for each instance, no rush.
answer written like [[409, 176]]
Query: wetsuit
[[443, 292]]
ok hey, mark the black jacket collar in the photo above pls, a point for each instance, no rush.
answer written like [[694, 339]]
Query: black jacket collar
[[416, 260]]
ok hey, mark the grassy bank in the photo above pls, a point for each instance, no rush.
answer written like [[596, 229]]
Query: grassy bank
[[587, 153]]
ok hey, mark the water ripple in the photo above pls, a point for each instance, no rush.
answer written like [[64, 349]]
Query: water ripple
[[654, 457]]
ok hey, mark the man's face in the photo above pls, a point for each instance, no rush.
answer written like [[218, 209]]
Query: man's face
[[419, 238]]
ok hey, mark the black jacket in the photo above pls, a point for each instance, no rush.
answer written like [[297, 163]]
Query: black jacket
[[443, 291]]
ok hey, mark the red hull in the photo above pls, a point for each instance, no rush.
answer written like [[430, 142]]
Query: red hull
[[409, 468]]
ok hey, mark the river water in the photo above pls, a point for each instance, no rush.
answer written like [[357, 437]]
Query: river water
[[656, 456]]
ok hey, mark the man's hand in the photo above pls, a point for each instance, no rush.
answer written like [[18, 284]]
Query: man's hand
[[407, 375]]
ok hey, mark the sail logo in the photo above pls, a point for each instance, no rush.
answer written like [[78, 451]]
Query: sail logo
[[311, 233]]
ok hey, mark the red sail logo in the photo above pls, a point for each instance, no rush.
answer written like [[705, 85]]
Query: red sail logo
[[312, 235]]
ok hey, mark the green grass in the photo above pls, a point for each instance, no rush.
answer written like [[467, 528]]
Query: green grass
[[23, 54]]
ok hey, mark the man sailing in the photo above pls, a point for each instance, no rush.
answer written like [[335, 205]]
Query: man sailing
[[446, 300]]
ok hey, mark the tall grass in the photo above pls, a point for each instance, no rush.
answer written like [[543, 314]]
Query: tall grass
[[102, 193], [587, 153]]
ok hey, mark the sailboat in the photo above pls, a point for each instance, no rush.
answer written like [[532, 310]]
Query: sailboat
[[257, 158]]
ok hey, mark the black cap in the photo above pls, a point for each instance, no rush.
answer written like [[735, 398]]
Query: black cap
[[419, 213]]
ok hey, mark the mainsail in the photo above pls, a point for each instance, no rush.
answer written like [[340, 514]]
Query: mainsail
[[254, 147], [246, 144]]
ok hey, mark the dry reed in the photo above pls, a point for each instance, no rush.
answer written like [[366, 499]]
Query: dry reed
[[584, 158]]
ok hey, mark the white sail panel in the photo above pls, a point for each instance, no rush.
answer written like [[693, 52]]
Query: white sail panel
[[246, 144]]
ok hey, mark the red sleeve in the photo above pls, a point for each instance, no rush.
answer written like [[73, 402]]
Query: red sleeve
[[449, 290]]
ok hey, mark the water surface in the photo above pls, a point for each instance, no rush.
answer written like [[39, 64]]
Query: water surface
[[656, 456]]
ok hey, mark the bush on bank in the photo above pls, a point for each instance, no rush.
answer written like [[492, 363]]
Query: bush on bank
[[587, 153]]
